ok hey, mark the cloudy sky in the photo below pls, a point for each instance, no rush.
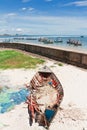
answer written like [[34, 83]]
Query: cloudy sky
[[60, 17]]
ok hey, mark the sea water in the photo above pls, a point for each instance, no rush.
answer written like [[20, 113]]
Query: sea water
[[23, 39]]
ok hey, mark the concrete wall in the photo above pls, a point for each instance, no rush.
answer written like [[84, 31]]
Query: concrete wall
[[67, 56]]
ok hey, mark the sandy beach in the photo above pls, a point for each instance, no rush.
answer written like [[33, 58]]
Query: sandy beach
[[72, 114]]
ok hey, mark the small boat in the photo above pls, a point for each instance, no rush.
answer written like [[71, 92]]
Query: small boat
[[42, 39], [18, 38], [82, 36], [58, 40], [45, 98], [45, 40], [74, 42], [48, 41]]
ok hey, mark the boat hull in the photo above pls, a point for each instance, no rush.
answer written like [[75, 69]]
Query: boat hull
[[48, 93]]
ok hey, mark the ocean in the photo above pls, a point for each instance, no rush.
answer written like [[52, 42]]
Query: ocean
[[34, 39]]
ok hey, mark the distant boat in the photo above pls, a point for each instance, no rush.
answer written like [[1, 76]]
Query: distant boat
[[41, 39], [29, 38], [18, 38], [58, 40], [45, 98], [82, 36], [45, 40], [48, 41], [74, 42]]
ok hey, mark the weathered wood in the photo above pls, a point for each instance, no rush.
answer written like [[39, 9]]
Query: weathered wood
[[47, 94]]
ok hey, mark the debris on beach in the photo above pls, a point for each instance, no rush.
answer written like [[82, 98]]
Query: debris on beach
[[9, 98]]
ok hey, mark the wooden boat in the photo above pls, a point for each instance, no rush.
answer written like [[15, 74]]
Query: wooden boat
[[45, 98], [74, 42], [58, 40], [45, 40], [48, 41]]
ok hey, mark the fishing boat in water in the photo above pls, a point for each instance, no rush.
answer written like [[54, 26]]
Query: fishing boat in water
[[48, 41], [82, 36], [74, 42], [45, 98], [58, 40], [45, 40]]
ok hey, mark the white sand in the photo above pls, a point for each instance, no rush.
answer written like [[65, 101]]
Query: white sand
[[73, 112]]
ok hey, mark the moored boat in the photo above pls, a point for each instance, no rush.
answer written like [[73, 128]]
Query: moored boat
[[74, 42], [82, 36], [45, 98], [48, 41], [58, 40], [45, 40], [42, 39]]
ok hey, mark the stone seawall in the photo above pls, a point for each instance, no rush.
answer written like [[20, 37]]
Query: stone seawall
[[64, 55]]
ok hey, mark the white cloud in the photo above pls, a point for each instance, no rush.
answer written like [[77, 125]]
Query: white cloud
[[3, 30], [19, 29], [77, 3], [27, 9], [44, 25], [54, 25], [11, 14], [30, 8], [23, 9]]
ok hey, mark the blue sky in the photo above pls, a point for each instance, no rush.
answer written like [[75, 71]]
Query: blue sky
[[60, 17]]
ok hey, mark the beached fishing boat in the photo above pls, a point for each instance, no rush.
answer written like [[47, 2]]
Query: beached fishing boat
[[45, 98]]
